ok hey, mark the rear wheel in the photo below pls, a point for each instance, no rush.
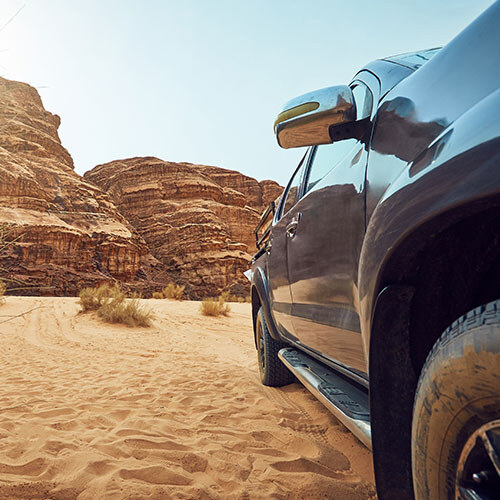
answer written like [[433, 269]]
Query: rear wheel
[[456, 415], [273, 372]]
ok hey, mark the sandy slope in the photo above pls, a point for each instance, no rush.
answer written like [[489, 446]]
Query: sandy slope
[[89, 411]]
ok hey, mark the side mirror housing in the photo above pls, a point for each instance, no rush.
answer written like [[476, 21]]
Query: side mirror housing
[[307, 119]]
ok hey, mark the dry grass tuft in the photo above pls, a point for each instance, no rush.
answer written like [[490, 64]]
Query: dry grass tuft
[[215, 307], [129, 312], [3, 289], [92, 299], [172, 291], [112, 307], [229, 297]]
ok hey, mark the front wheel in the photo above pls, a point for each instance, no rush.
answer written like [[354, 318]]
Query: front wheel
[[273, 372], [456, 415]]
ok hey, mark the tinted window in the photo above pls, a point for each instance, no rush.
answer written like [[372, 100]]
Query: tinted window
[[326, 158], [290, 196]]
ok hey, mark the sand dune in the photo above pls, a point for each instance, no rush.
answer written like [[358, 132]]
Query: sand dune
[[90, 411]]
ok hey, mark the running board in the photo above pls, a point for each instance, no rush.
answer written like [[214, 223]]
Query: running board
[[343, 398]]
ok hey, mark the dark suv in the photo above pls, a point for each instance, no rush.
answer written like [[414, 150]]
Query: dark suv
[[377, 280]]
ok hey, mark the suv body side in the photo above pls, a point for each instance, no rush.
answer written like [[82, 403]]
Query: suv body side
[[431, 208]]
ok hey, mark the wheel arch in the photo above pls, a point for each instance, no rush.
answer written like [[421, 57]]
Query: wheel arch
[[444, 268], [260, 298]]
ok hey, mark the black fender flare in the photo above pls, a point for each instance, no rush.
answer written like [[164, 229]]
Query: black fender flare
[[392, 387], [260, 287]]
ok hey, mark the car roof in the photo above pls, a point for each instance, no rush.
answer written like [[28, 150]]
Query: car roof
[[413, 60]]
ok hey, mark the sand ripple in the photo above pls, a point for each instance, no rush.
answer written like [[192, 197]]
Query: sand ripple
[[92, 411]]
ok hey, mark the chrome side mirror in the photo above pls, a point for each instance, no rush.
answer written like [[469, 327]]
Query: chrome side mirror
[[306, 120]]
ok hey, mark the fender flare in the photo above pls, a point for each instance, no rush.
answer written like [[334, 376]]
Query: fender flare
[[260, 287]]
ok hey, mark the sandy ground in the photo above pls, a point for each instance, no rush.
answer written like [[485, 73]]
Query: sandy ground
[[89, 410]]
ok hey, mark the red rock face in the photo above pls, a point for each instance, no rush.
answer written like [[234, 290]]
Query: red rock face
[[67, 232], [158, 222], [197, 220]]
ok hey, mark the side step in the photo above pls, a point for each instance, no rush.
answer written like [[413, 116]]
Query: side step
[[343, 398]]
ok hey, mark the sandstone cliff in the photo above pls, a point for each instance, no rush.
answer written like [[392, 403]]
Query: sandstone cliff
[[67, 232], [197, 220]]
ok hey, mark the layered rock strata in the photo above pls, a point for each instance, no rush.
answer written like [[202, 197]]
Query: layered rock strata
[[197, 220], [65, 232]]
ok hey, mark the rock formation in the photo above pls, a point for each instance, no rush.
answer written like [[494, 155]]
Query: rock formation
[[197, 220], [175, 221], [66, 232]]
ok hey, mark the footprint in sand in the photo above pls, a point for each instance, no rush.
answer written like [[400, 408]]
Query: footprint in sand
[[99, 468], [54, 447], [33, 468], [134, 432], [146, 444], [155, 475], [120, 415], [64, 426], [56, 412], [190, 462]]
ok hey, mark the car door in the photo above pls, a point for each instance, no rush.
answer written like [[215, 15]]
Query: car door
[[324, 246], [277, 266]]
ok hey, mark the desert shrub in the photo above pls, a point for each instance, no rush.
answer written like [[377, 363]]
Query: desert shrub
[[248, 298], [157, 295], [3, 289], [129, 312], [241, 300], [215, 307], [172, 291], [229, 297], [91, 299], [112, 306]]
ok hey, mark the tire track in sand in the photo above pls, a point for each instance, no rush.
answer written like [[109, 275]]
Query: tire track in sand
[[89, 410]]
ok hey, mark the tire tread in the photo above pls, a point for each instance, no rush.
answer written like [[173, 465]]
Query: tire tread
[[276, 374], [485, 314]]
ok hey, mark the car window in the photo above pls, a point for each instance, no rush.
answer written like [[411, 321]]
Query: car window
[[325, 158], [291, 192]]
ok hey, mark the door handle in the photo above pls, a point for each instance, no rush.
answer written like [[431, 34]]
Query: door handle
[[291, 228]]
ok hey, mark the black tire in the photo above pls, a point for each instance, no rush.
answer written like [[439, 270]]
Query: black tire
[[457, 412], [273, 372]]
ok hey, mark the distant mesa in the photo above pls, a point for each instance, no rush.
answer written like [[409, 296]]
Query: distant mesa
[[197, 220], [142, 221]]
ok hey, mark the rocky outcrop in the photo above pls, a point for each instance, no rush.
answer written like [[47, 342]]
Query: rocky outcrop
[[158, 222], [197, 220], [65, 232]]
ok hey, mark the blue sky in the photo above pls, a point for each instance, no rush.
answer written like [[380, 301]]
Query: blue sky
[[202, 81]]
